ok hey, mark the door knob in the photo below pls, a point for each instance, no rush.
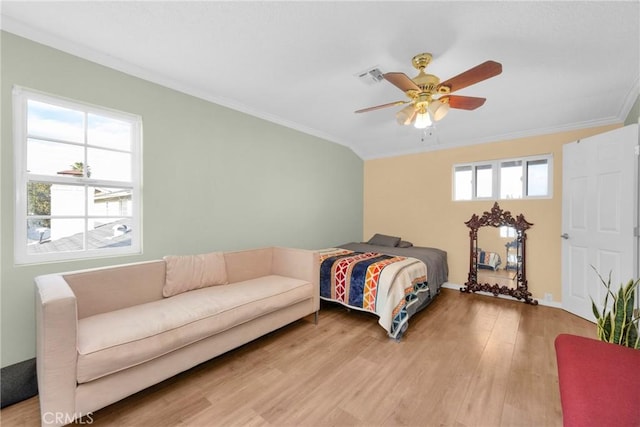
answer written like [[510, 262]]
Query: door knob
[[564, 236]]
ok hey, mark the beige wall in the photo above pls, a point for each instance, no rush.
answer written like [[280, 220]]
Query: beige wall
[[411, 196]]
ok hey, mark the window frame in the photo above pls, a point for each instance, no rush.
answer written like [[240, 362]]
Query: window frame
[[496, 167], [21, 97]]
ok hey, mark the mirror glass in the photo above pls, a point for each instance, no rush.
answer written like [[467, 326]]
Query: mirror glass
[[497, 258]]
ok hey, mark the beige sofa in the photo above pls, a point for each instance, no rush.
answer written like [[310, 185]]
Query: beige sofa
[[104, 334]]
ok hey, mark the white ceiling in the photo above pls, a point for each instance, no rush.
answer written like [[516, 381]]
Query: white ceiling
[[566, 65]]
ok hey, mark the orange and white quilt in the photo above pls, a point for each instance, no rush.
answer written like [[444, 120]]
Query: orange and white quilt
[[378, 283]]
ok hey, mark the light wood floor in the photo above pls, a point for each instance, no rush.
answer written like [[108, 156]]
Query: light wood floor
[[467, 360]]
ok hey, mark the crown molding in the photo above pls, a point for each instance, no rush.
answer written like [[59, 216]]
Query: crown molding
[[77, 49], [629, 100]]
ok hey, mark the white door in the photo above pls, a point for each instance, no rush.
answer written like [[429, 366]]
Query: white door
[[599, 213]]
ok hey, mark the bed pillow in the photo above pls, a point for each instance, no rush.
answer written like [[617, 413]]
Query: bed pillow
[[404, 244], [384, 240], [189, 272]]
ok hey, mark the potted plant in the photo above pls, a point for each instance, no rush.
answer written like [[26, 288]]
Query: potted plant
[[617, 324]]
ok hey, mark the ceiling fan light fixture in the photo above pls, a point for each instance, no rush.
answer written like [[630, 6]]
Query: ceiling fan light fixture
[[422, 120], [404, 116], [438, 109]]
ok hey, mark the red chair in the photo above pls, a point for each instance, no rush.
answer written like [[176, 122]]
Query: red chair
[[599, 382]]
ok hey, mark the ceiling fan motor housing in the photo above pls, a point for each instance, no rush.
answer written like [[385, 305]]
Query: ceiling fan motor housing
[[427, 82]]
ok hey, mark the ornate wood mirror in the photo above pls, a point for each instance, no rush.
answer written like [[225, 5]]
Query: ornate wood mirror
[[497, 249]]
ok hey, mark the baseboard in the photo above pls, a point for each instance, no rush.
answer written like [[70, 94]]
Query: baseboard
[[554, 304], [19, 382]]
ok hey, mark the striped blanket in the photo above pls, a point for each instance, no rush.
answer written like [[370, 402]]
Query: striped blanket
[[381, 284], [488, 260]]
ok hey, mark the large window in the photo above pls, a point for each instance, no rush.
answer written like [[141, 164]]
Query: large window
[[523, 178], [77, 170]]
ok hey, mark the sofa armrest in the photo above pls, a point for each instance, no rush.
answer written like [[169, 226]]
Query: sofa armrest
[[300, 264], [56, 347]]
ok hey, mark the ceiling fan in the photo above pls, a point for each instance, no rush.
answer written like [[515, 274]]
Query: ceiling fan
[[424, 108]]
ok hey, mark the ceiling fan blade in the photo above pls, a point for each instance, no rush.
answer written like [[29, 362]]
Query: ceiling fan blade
[[474, 75], [378, 107], [464, 102], [401, 81], [406, 115]]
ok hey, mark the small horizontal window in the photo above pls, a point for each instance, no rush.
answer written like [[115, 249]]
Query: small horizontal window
[[523, 178]]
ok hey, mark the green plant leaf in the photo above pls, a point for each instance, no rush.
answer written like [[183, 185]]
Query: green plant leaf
[[596, 312], [616, 324]]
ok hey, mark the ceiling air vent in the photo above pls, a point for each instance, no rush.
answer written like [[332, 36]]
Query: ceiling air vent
[[370, 76]]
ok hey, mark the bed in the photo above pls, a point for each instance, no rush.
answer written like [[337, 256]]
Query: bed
[[488, 260], [385, 276]]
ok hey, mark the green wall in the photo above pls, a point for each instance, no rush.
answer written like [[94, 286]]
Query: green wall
[[213, 178], [634, 114]]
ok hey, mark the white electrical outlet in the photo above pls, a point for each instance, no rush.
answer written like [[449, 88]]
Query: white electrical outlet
[[548, 297]]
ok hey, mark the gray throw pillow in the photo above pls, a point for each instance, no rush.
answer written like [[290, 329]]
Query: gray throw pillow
[[384, 240], [404, 244]]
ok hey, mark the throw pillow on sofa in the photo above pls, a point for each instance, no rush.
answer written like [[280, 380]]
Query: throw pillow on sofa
[[189, 272]]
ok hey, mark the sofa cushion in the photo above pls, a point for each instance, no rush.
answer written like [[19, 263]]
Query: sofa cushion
[[189, 272], [111, 342]]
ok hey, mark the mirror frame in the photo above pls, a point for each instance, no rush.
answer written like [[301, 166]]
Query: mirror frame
[[499, 218]]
